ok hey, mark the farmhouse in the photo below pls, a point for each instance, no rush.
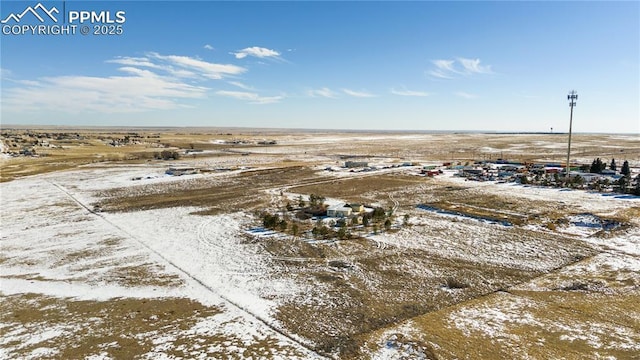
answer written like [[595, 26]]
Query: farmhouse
[[339, 211], [357, 208]]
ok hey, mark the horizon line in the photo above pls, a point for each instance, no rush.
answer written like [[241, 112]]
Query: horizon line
[[488, 131]]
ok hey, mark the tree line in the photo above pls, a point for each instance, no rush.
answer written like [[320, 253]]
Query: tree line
[[597, 166]]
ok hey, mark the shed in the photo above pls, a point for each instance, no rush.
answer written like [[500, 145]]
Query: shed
[[179, 171], [355, 164]]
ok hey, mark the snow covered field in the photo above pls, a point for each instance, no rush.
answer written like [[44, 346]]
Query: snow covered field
[[53, 246], [159, 279]]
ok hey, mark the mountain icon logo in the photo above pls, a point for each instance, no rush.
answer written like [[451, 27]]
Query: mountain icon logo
[[39, 11]]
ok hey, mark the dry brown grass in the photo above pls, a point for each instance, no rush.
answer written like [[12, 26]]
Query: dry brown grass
[[71, 154], [376, 288], [124, 328], [237, 192], [117, 327], [367, 189], [144, 274], [439, 147], [554, 315]]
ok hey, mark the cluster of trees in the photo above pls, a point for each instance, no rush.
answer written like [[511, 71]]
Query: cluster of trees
[[598, 165], [314, 200], [322, 231], [274, 222], [378, 218], [167, 155], [624, 185], [554, 180]]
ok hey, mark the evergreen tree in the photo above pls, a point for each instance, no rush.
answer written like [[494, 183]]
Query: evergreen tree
[[597, 166], [282, 225], [577, 180], [625, 169], [379, 213], [622, 184], [613, 165], [316, 199], [270, 221]]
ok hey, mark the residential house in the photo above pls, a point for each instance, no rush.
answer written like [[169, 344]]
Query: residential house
[[339, 211]]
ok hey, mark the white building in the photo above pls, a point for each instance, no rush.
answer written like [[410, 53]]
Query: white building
[[339, 211]]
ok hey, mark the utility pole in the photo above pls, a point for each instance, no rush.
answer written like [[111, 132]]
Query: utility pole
[[572, 97]]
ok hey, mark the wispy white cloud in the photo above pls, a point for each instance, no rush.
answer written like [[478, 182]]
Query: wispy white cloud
[[450, 69], [443, 69], [134, 91], [445, 65], [465, 95], [360, 94], [241, 85], [151, 82], [134, 61], [147, 63], [5, 73], [405, 92], [472, 66], [203, 68], [27, 82], [252, 98], [439, 74], [322, 92], [256, 51], [208, 47]]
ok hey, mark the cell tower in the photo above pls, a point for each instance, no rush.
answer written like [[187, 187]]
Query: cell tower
[[572, 97]]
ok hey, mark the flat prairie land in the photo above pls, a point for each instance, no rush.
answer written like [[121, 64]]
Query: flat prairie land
[[105, 255]]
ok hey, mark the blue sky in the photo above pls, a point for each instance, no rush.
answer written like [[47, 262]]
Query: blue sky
[[497, 66]]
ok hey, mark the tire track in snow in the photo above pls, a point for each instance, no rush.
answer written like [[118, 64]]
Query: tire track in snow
[[235, 305], [396, 203]]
